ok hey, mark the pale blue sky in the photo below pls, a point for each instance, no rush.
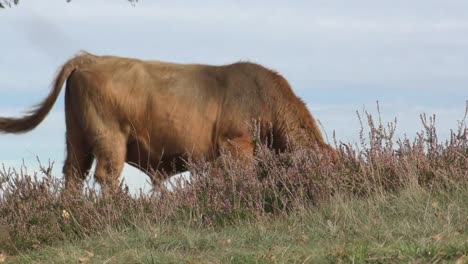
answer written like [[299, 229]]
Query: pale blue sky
[[339, 56]]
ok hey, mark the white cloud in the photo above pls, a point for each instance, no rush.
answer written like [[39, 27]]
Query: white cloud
[[312, 41]]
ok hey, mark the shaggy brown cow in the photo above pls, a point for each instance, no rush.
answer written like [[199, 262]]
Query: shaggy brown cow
[[151, 114]]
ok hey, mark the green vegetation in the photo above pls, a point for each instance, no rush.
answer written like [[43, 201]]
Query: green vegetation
[[414, 226]]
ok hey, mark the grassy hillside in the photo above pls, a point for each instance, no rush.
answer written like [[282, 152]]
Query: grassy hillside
[[415, 226], [383, 201]]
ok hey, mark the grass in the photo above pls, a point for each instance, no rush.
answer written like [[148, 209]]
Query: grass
[[415, 226], [384, 200]]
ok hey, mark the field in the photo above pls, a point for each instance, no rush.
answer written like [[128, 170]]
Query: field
[[384, 200]]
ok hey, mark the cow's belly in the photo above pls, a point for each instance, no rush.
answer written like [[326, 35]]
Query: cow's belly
[[176, 142], [176, 127], [167, 143], [150, 161]]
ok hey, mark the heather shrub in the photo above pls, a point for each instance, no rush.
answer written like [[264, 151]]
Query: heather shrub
[[34, 209]]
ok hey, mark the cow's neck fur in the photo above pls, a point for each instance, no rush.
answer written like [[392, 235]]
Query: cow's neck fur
[[292, 120]]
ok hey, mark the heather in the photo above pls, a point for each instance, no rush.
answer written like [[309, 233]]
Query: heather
[[382, 200]]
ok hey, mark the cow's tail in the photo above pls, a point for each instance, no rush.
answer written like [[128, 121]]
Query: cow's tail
[[37, 114]]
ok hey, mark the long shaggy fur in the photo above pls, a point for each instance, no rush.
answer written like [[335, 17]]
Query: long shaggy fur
[[153, 114]]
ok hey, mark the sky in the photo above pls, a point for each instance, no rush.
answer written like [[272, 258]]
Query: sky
[[339, 56]]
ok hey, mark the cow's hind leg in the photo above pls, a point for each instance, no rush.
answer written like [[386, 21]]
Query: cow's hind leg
[[79, 152], [110, 155], [78, 161]]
